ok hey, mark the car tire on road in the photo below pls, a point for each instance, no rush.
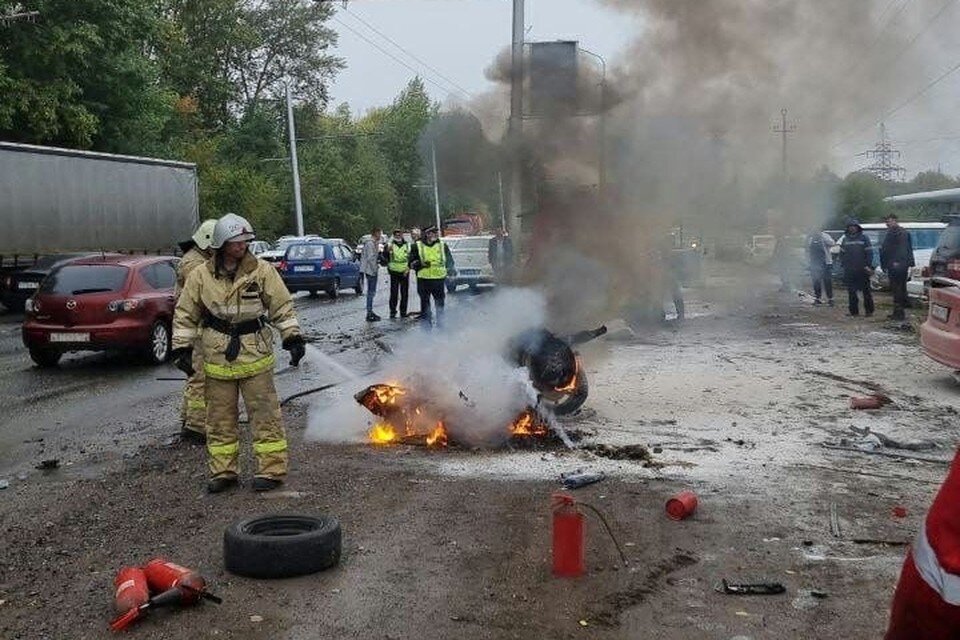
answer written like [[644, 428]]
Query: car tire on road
[[334, 290], [314, 293], [281, 546], [451, 287], [45, 358], [158, 350]]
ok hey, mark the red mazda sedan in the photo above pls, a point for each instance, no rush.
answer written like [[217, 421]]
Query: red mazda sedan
[[103, 303]]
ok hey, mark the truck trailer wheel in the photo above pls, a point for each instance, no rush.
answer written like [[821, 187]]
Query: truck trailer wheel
[[281, 546]]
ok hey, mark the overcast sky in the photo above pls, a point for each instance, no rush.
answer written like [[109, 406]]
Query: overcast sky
[[460, 38]]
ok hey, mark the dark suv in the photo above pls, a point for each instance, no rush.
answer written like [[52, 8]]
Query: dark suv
[[17, 286], [945, 261]]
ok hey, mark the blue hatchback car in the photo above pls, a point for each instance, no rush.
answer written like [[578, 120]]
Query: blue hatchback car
[[324, 265]]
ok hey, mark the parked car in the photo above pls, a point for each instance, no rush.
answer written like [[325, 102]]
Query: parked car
[[325, 265], [276, 254], [259, 247], [940, 333], [470, 255], [17, 287], [103, 303]]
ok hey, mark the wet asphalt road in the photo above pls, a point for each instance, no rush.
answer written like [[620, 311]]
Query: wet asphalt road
[[96, 407]]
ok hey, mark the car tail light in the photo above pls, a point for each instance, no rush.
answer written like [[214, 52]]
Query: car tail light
[[953, 269], [282, 266], [326, 264], [121, 306]]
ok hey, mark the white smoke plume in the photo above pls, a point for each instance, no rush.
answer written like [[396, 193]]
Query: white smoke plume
[[463, 370]]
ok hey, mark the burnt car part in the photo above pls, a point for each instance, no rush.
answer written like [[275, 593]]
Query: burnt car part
[[555, 369]]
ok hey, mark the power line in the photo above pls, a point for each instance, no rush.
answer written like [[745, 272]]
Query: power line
[[923, 30], [390, 55], [409, 53]]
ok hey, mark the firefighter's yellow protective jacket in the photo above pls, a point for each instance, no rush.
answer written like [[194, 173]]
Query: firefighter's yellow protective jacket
[[255, 291]]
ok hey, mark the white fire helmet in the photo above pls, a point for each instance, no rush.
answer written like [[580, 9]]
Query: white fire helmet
[[231, 228], [204, 234]]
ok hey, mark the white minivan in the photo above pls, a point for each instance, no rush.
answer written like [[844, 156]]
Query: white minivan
[[472, 261]]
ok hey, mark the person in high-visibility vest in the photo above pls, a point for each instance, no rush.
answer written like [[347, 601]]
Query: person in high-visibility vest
[[926, 604], [432, 261], [398, 266], [226, 309]]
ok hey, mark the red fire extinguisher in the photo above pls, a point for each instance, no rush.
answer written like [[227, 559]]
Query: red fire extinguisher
[[131, 589], [568, 541], [163, 575], [568, 536]]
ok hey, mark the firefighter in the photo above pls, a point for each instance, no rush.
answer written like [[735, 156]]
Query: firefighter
[[397, 253], [431, 260], [193, 411], [227, 306]]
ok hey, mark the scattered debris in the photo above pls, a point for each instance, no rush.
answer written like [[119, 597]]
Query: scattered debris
[[887, 441], [682, 505], [4, 484], [870, 474], [808, 598], [884, 543], [867, 447], [873, 401], [580, 478], [754, 589], [49, 465], [256, 618], [899, 512], [623, 452]]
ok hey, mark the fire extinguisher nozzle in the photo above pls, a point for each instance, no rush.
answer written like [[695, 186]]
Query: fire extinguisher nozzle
[[212, 598]]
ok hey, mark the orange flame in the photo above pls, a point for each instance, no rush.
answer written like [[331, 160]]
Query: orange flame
[[388, 393], [382, 433], [526, 425], [572, 385], [438, 436]]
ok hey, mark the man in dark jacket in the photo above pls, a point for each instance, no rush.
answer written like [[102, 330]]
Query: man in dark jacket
[[500, 255], [856, 258], [896, 258]]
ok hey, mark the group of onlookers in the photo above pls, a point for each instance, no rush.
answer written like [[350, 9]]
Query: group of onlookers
[[857, 260]]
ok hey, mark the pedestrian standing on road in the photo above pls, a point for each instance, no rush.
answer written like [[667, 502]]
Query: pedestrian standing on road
[[819, 244], [397, 255], [781, 260], [500, 255], [370, 267], [896, 259], [193, 409], [227, 307], [432, 261], [856, 258], [670, 276], [415, 237]]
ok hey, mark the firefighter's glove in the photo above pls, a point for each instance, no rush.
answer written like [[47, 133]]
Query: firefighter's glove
[[297, 348], [183, 360]]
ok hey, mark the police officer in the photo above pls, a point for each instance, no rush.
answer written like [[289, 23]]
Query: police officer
[[398, 266], [193, 409], [228, 305], [432, 260]]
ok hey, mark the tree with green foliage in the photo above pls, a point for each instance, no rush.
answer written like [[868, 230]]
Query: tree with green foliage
[[79, 77], [860, 195]]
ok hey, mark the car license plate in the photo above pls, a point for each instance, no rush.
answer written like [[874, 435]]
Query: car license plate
[[69, 337], [28, 285], [939, 312], [305, 267], [470, 272]]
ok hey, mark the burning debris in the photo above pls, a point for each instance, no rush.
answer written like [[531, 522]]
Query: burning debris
[[409, 419]]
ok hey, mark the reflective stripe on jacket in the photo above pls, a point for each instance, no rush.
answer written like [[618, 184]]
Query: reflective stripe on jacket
[[256, 290], [437, 258]]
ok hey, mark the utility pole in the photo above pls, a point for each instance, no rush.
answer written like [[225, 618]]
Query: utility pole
[[436, 188], [783, 129], [602, 132], [515, 130], [503, 211], [883, 154], [298, 203]]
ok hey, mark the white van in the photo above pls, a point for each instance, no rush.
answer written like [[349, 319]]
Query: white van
[[472, 261]]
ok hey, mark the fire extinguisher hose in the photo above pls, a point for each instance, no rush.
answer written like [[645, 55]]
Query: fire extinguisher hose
[[606, 526]]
